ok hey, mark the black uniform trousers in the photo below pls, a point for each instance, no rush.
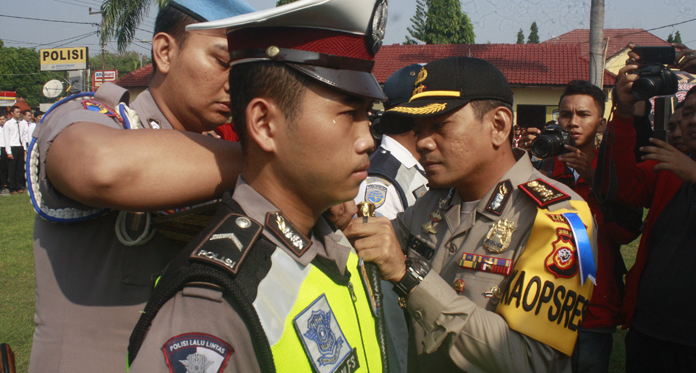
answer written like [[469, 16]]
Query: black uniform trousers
[[3, 168], [15, 170]]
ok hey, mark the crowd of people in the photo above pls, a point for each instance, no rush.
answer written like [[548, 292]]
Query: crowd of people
[[17, 130], [160, 246]]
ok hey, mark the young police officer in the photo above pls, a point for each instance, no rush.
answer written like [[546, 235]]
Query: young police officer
[[92, 281], [499, 257], [269, 285]]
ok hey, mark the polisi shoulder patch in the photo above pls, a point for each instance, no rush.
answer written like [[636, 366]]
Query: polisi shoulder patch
[[543, 193], [228, 244], [196, 352]]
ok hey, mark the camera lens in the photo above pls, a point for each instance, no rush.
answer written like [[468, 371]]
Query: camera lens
[[542, 147], [646, 87]]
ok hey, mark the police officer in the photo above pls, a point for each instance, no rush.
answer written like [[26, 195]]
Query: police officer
[[95, 155], [492, 281], [270, 285]]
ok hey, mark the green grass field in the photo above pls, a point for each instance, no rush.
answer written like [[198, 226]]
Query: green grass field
[[17, 281]]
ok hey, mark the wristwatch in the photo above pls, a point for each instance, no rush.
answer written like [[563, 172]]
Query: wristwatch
[[416, 270]]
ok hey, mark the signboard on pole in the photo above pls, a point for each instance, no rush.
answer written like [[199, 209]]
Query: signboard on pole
[[61, 59], [109, 76], [8, 98]]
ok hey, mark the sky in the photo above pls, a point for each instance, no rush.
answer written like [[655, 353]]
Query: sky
[[495, 21]]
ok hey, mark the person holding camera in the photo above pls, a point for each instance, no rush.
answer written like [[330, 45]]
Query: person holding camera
[[659, 301], [581, 117], [490, 244]]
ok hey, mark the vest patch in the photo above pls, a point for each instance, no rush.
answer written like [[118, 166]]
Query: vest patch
[[543, 193], [323, 341], [287, 233], [228, 245], [562, 261], [376, 193], [96, 106], [499, 199], [196, 352]]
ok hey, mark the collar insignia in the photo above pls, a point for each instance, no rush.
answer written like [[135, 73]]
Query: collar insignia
[[283, 229], [499, 236], [323, 340], [543, 193], [228, 245], [499, 199], [436, 216]]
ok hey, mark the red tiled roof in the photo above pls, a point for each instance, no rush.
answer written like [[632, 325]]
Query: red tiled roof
[[136, 79], [618, 39], [522, 64]]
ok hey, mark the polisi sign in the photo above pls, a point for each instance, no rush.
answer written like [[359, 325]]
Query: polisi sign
[[64, 59]]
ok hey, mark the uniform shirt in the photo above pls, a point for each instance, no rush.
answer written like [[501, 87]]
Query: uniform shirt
[[454, 332], [90, 288], [12, 131], [204, 311], [392, 203], [28, 133]]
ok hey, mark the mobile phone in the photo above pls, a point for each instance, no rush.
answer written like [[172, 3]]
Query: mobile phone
[[661, 55]]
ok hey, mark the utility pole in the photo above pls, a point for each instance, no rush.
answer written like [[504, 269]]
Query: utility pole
[[103, 46], [596, 39]]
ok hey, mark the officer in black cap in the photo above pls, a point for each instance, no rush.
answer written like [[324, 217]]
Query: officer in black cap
[[490, 244], [270, 285]]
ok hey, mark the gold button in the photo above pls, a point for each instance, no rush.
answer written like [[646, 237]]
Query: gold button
[[272, 51]]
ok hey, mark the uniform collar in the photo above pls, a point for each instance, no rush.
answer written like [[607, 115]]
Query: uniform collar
[[325, 242], [400, 152], [149, 112]]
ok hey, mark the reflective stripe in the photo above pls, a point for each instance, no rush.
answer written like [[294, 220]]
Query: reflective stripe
[[278, 292]]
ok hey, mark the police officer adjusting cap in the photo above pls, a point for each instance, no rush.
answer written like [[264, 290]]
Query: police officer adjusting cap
[[447, 84], [332, 41], [398, 88], [212, 10]]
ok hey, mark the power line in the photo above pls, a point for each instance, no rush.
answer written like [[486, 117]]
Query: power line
[[71, 41], [51, 20]]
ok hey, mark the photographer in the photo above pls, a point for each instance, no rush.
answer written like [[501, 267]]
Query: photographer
[[580, 118], [659, 303]]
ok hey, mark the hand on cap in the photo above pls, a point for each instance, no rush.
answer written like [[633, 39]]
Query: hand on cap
[[625, 102], [671, 159], [376, 242]]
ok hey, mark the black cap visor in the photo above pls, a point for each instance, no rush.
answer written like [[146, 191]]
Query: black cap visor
[[358, 83]]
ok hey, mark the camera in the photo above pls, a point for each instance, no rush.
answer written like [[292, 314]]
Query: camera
[[551, 142], [375, 119], [654, 80]]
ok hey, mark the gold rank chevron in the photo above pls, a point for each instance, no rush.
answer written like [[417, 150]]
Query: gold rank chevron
[[429, 109]]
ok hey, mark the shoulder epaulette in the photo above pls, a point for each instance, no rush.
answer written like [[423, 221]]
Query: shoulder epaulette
[[543, 193], [228, 244]]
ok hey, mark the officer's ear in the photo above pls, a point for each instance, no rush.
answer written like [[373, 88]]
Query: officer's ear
[[265, 121], [164, 47], [501, 125]]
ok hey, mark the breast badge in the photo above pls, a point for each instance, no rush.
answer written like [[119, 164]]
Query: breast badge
[[499, 236], [324, 342]]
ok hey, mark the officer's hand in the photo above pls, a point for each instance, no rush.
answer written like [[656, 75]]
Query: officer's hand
[[671, 159], [580, 162], [342, 214], [528, 135], [625, 102], [685, 59], [9, 156], [376, 242]]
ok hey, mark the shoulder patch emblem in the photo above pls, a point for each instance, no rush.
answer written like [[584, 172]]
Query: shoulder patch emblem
[[282, 228], [377, 179], [229, 243], [93, 105], [376, 193], [323, 340], [543, 193], [196, 352], [562, 261], [500, 197]]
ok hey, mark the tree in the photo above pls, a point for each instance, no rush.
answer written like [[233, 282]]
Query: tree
[[670, 38], [283, 2], [125, 62], [520, 37], [417, 29], [533, 34], [20, 72], [447, 24], [122, 17], [677, 38]]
